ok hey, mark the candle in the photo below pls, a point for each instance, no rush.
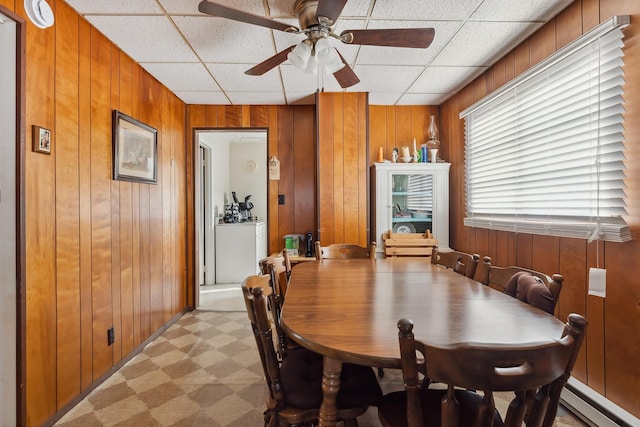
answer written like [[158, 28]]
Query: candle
[[415, 150], [380, 155], [405, 152]]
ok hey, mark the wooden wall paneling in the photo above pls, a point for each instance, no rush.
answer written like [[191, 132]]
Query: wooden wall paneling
[[351, 230], [590, 14], [100, 201], [136, 267], [84, 171], [338, 140], [545, 254], [392, 141], [362, 119], [182, 186], [325, 181], [524, 250], [522, 58], [116, 310], [9, 4], [573, 258], [404, 130], [499, 73], [273, 185], [304, 172], [153, 106], [622, 340], [40, 241], [286, 141], [258, 116], [67, 208], [569, 24], [167, 164], [145, 287], [503, 241], [378, 133], [543, 43], [125, 218], [510, 66], [595, 314], [233, 116]]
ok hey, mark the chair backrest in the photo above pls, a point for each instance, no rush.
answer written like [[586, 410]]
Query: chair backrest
[[253, 290], [460, 262], [344, 251], [509, 280], [536, 374]]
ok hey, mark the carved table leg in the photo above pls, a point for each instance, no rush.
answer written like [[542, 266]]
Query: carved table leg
[[332, 368]]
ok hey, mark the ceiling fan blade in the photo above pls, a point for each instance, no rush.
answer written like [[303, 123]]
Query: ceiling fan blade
[[396, 37], [270, 63], [330, 9], [345, 76], [221, 11]]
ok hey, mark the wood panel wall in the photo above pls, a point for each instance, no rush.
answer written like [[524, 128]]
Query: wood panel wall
[[343, 177], [99, 252], [291, 138], [607, 361]]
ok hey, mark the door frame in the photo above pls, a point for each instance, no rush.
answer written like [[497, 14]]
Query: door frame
[[20, 102]]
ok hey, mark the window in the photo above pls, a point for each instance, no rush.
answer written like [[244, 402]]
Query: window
[[545, 152]]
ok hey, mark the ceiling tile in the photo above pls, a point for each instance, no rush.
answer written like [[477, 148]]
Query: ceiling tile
[[190, 7], [172, 75], [424, 10], [509, 10], [481, 42], [376, 78], [384, 98], [202, 97], [116, 7], [443, 79], [424, 98], [408, 56], [223, 40], [256, 98], [233, 79], [145, 39]]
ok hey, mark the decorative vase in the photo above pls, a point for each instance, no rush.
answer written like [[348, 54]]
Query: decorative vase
[[433, 145]]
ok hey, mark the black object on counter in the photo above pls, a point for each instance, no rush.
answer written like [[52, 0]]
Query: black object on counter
[[309, 239]]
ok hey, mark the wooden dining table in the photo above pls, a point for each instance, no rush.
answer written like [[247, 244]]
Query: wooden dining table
[[347, 310]]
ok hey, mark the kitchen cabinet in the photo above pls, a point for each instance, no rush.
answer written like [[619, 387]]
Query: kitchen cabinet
[[239, 247], [410, 198]]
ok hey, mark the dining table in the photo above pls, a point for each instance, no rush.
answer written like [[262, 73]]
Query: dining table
[[347, 310]]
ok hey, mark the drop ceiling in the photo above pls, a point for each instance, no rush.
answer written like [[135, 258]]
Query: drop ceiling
[[202, 59]]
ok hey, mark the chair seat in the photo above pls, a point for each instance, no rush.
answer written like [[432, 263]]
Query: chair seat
[[393, 409], [301, 374]]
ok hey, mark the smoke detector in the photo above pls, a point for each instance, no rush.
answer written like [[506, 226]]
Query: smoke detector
[[39, 12]]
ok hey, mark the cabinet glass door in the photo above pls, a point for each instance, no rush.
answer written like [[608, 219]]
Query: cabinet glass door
[[412, 203]]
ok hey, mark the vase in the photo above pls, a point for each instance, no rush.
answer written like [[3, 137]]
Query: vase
[[433, 145]]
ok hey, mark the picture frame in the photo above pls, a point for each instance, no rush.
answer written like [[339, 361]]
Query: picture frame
[[41, 140], [135, 150]]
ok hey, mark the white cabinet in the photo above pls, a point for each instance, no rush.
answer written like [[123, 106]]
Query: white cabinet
[[239, 247], [410, 198]]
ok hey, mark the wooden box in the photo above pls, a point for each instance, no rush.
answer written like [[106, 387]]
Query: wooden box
[[409, 244]]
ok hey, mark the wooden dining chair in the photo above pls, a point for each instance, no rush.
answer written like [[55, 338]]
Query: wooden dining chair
[[295, 382], [535, 373], [344, 251], [460, 262], [533, 287]]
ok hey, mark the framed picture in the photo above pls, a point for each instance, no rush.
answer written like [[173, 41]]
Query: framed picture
[[135, 150], [41, 140]]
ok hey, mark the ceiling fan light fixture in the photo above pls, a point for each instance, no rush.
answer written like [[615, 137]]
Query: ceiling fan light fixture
[[300, 55], [323, 51]]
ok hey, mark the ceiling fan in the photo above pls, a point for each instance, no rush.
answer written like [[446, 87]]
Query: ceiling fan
[[316, 19]]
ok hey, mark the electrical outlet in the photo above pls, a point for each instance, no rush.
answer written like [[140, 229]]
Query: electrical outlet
[[111, 336], [281, 199]]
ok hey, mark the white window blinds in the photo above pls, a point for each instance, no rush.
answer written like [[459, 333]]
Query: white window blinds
[[545, 153]]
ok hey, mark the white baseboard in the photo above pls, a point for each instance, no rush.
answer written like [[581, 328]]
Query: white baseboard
[[593, 408]]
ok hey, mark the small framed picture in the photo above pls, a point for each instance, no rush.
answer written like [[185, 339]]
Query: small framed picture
[[135, 150], [41, 140]]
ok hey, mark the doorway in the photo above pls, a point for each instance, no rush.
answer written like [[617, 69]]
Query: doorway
[[11, 212], [228, 161]]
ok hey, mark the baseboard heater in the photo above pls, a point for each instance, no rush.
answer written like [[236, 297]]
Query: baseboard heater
[[593, 408]]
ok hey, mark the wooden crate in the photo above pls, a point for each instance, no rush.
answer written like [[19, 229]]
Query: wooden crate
[[409, 244]]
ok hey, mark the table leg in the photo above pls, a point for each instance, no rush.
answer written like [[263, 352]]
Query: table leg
[[332, 368]]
